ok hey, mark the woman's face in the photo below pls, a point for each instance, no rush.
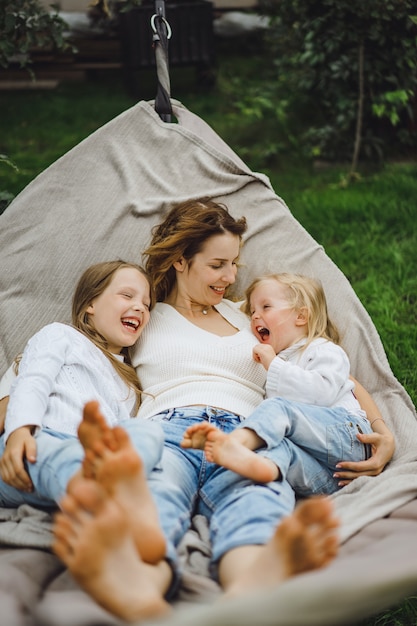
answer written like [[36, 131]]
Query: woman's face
[[205, 278]]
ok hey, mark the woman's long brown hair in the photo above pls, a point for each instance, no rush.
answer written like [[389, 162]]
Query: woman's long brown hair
[[183, 233]]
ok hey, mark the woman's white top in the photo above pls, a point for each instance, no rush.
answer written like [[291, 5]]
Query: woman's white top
[[61, 370], [318, 375], [180, 364]]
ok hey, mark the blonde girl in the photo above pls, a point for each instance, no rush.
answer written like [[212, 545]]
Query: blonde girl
[[310, 399], [62, 368]]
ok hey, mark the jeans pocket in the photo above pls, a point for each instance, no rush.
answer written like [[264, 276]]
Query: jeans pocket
[[340, 441]]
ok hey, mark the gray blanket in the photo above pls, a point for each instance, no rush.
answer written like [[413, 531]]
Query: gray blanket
[[99, 202]]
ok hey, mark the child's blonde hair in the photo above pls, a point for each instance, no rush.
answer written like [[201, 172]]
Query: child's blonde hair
[[92, 283], [302, 292]]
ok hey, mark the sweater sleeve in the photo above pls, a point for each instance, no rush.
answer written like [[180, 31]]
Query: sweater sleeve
[[6, 382], [317, 378], [42, 359]]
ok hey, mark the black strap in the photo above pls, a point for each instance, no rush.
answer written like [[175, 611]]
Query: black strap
[[162, 34]]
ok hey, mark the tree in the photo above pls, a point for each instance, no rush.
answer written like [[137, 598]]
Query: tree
[[354, 63]]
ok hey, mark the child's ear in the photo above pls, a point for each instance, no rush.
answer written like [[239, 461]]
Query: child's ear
[[90, 309], [302, 317]]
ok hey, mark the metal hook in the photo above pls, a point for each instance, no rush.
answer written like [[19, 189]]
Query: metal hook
[[168, 27]]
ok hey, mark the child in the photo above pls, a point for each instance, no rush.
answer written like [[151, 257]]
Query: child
[[310, 398], [63, 368]]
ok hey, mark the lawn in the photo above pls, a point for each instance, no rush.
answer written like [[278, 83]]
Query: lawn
[[368, 228]]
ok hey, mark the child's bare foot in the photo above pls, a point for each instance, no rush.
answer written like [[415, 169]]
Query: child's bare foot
[[119, 470], [225, 450], [91, 429], [92, 538], [196, 435], [306, 540]]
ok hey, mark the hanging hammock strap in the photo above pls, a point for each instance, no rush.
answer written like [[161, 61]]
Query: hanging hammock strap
[[162, 33]]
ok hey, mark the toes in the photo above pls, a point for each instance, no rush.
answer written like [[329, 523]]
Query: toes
[[315, 510], [121, 438], [91, 410]]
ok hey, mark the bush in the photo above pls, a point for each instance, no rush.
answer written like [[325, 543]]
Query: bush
[[26, 26]]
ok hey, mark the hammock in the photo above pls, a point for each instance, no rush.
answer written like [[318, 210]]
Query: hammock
[[98, 202]]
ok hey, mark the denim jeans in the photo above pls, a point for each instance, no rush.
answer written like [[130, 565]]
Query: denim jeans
[[59, 457], [307, 441], [239, 511]]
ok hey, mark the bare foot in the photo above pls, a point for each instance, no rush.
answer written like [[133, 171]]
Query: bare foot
[[196, 435], [119, 470], [304, 541], [308, 539], [92, 538], [225, 450], [91, 429]]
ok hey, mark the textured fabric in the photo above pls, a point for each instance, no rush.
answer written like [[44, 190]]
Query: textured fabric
[[99, 202], [180, 364], [60, 371]]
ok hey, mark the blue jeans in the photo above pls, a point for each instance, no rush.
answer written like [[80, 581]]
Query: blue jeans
[[307, 441], [59, 457], [239, 511]]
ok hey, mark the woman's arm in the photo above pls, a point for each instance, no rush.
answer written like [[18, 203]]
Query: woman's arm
[[381, 441], [3, 408], [5, 384]]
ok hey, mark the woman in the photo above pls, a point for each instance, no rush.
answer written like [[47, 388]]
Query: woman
[[195, 363]]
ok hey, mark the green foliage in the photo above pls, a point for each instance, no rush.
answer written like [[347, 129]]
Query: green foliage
[[4, 159], [391, 103], [316, 47], [26, 26], [5, 196], [403, 615]]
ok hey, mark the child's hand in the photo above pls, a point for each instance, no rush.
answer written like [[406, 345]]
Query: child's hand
[[264, 353], [20, 445]]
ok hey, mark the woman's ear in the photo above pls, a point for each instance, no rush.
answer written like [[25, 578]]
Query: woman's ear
[[302, 317], [180, 265], [90, 309]]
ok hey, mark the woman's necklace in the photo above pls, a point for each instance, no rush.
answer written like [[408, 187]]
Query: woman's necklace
[[204, 310]]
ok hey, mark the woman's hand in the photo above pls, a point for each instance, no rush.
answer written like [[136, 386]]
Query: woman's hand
[[381, 441], [20, 445], [382, 446]]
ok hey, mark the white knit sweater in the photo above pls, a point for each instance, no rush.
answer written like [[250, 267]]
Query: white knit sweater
[[60, 371], [317, 375], [179, 364]]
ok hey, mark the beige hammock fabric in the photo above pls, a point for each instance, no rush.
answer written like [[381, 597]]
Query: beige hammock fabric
[[99, 202]]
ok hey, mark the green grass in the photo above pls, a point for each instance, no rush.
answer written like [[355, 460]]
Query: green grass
[[368, 228]]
